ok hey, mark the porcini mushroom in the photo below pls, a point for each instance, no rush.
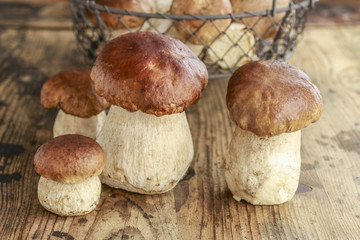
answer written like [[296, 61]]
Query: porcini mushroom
[[150, 79], [81, 109], [270, 102], [69, 166]]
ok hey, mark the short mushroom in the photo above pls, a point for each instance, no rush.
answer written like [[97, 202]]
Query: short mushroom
[[270, 101], [150, 79], [69, 166], [81, 109]]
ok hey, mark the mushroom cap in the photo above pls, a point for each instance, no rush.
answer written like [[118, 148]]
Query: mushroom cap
[[272, 97], [69, 158], [149, 72], [112, 21], [73, 92]]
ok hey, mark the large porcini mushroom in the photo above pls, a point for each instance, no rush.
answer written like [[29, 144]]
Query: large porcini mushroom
[[150, 79], [270, 101], [69, 166], [81, 109]]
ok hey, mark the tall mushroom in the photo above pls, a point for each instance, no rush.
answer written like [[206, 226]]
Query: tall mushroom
[[150, 79], [270, 101], [81, 109]]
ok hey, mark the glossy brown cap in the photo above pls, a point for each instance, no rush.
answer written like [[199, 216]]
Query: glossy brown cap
[[73, 91], [112, 21], [69, 158], [149, 72], [272, 97]]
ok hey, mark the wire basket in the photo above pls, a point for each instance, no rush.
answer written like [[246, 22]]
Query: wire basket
[[235, 39]]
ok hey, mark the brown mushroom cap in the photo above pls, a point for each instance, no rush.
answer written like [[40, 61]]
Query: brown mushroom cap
[[69, 158], [112, 21], [272, 97], [73, 91], [149, 72]]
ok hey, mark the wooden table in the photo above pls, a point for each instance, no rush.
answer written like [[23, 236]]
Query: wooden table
[[327, 205]]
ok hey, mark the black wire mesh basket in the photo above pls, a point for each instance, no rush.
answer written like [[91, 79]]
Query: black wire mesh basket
[[223, 42]]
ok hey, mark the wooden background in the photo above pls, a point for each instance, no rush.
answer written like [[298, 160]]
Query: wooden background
[[327, 205]]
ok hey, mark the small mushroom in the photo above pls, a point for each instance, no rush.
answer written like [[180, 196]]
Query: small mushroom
[[81, 109], [270, 102], [150, 79], [69, 166]]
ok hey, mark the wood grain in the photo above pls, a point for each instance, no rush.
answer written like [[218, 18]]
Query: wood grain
[[201, 206]]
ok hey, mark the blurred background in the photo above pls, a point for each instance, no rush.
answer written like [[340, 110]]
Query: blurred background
[[56, 13]]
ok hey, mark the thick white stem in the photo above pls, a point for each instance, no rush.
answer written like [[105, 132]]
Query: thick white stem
[[263, 171], [69, 124], [145, 153], [69, 199]]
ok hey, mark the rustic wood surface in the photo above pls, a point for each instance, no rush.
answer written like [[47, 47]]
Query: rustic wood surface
[[327, 205]]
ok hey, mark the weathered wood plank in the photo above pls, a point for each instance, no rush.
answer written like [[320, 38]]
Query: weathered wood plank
[[332, 147], [201, 206]]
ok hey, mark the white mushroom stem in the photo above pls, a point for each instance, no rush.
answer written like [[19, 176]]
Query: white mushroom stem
[[145, 153], [69, 124], [263, 171], [69, 199]]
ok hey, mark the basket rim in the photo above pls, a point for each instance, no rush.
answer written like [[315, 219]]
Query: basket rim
[[292, 6]]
